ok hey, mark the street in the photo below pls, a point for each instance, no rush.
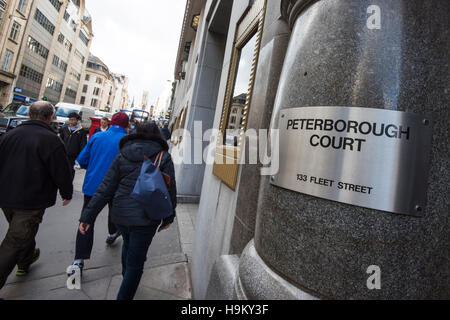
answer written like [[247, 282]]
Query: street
[[166, 274]]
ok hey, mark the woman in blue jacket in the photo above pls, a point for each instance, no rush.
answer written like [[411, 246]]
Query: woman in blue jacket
[[127, 214]]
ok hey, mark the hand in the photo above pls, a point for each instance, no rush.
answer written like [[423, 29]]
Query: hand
[[76, 166], [83, 228], [164, 227], [66, 202]]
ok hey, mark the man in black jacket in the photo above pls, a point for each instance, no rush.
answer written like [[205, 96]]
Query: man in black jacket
[[74, 137], [33, 166]]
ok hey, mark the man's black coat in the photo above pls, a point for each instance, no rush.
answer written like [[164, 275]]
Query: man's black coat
[[75, 141], [33, 166]]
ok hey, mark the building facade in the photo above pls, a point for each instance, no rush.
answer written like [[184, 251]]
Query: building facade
[[48, 42], [144, 101], [14, 16], [121, 93], [99, 86], [270, 236]]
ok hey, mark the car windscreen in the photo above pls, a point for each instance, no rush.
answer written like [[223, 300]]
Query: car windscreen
[[23, 110], [141, 114], [64, 112]]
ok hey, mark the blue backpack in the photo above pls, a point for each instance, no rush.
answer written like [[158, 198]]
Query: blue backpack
[[151, 191]]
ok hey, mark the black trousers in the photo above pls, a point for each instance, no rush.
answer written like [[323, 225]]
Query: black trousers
[[19, 243], [72, 164], [84, 244]]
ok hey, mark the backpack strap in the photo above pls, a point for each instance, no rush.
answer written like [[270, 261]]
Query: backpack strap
[[158, 159]]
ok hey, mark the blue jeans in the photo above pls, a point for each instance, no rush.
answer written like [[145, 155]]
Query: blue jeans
[[136, 241]]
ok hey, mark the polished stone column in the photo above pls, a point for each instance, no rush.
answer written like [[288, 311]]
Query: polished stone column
[[340, 54]]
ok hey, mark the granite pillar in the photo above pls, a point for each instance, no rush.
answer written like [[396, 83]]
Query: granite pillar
[[339, 55]]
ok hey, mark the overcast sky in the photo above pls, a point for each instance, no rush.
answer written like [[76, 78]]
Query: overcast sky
[[138, 38]]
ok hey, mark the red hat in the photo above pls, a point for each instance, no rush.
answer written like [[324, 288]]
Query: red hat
[[120, 119]]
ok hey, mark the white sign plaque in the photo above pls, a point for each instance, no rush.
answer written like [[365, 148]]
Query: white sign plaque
[[373, 158]]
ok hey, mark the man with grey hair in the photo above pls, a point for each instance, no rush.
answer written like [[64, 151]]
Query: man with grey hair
[[33, 166]]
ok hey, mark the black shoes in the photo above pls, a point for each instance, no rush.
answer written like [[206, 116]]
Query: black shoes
[[22, 271], [112, 237]]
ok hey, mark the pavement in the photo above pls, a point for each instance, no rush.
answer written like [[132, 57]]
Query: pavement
[[166, 272]]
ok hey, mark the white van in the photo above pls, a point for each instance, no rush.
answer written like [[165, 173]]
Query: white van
[[101, 114], [64, 109]]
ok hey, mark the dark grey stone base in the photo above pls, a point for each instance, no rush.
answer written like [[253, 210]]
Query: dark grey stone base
[[249, 278], [188, 199]]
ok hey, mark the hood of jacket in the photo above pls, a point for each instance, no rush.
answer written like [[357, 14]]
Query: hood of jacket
[[135, 146]]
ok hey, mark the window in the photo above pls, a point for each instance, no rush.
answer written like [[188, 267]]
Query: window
[[87, 77], [85, 87], [74, 25], [61, 38], [71, 93], [56, 4], [2, 9], [68, 45], [63, 66], [75, 75], [79, 55], [84, 38], [14, 31], [6, 64], [96, 91], [238, 93], [82, 100], [99, 80], [44, 22], [22, 5], [94, 103], [31, 74], [54, 85], [66, 15], [55, 61], [36, 47]]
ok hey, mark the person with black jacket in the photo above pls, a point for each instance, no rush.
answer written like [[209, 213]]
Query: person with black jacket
[[33, 166], [128, 215], [74, 137], [104, 125]]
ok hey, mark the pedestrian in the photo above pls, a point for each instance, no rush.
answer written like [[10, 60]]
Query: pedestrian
[[165, 131], [97, 157], [129, 216], [33, 167], [74, 137], [104, 125]]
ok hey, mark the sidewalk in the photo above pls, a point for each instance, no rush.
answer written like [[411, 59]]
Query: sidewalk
[[166, 273]]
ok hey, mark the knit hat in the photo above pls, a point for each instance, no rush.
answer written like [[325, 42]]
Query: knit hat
[[120, 119]]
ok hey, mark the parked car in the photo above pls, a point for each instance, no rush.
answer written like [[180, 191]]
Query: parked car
[[64, 109], [9, 119]]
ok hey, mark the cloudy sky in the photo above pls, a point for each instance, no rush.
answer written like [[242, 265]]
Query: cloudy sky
[[138, 38]]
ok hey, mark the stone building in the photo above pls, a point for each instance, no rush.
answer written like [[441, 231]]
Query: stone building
[[144, 101], [121, 93], [288, 234], [99, 86], [45, 45]]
